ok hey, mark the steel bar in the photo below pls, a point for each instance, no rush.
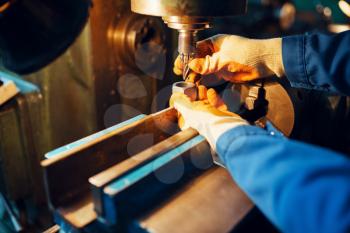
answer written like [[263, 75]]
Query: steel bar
[[153, 183], [101, 180]]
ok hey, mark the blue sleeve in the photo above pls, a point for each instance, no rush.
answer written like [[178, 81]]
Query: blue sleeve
[[299, 187], [318, 61]]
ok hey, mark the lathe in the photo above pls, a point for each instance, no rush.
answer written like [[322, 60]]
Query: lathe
[[139, 172]]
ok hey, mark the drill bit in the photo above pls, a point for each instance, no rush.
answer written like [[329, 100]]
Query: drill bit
[[186, 72], [186, 69]]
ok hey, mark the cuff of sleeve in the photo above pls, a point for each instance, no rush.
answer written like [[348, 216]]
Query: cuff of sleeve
[[235, 138], [293, 55]]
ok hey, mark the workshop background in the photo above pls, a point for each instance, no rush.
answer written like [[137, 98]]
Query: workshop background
[[121, 67]]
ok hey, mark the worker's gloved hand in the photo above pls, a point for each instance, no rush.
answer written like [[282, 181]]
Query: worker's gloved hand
[[208, 120], [207, 96], [236, 59]]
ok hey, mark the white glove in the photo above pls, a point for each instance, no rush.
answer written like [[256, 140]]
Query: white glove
[[237, 59], [205, 118]]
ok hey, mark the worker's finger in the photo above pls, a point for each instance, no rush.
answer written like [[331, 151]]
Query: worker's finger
[[193, 77], [181, 122], [177, 71], [239, 76], [202, 92], [178, 63], [244, 77], [207, 65], [178, 66], [215, 100], [235, 67]]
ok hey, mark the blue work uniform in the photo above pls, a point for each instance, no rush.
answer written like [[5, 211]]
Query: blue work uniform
[[299, 187]]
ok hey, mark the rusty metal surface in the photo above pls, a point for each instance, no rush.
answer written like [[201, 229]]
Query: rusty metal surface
[[211, 203], [189, 7]]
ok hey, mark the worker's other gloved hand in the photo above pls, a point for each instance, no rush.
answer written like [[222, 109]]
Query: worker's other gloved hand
[[237, 59], [208, 120], [207, 96]]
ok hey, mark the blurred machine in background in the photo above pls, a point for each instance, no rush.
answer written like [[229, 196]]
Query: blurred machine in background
[[95, 84], [121, 67]]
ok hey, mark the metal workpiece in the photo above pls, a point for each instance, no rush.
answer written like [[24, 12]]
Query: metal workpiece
[[189, 89]]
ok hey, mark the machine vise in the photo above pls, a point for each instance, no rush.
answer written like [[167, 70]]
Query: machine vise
[[143, 175]]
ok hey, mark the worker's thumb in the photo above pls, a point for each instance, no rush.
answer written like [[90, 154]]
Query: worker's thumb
[[215, 100], [207, 65]]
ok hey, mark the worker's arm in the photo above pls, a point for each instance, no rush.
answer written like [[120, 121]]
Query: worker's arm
[[299, 187], [318, 61]]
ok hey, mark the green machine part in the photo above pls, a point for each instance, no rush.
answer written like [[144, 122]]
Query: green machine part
[[337, 15]]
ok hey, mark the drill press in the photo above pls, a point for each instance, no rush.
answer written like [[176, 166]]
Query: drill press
[[188, 17]]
